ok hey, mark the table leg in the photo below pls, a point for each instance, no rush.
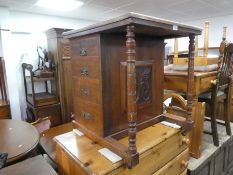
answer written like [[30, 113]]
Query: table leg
[[196, 135]]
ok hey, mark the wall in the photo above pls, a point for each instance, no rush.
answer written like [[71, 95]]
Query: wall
[[25, 31]]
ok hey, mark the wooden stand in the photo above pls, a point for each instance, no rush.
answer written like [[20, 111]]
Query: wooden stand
[[41, 104]]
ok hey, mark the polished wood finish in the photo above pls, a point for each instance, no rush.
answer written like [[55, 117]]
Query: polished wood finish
[[153, 145], [35, 165], [59, 52], [176, 80], [131, 90], [18, 139], [105, 120], [52, 110], [222, 84], [47, 138], [176, 166], [41, 104]]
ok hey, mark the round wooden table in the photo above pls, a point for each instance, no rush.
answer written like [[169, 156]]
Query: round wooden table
[[17, 138]]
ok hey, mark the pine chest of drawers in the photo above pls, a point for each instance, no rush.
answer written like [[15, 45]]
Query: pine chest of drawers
[[163, 151]]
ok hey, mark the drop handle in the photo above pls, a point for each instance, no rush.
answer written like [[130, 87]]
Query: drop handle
[[84, 71], [83, 52], [184, 163], [85, 92], [86, 115], [185, 141]]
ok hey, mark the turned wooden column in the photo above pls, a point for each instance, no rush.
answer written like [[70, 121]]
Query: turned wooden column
[[131, 90], [190, 78], [206, 39]]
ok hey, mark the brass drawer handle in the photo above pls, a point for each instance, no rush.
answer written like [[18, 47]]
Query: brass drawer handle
[[185, 141], [83, 52], [84, 71], [85, 92], [86, 115], [184, 163]]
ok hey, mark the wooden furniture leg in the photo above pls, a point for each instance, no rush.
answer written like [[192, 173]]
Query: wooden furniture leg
[[227, 110], [198, 113], [213, 120]]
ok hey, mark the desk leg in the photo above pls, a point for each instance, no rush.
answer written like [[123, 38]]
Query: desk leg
[[196, 135]]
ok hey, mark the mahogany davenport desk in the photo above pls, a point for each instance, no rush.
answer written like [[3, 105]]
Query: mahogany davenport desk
[[117, 73], [177, 81]]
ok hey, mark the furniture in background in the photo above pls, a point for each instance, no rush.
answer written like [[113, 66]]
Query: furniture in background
[[42, 124], [43, 102], [47, 141], [32, 166], [176, 81], [4, 102], [18, 139], [59, 52], [221, 89], [202, 62]]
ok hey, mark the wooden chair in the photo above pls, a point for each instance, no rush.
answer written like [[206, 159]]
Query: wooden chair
[[42, 124], [177, 106], [221, 90]]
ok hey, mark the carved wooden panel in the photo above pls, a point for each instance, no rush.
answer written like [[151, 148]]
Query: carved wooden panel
[[65, 51], [144, 84]]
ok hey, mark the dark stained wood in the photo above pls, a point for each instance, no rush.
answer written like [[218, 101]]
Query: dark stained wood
[[53, 110], [59, 52], [222, 84], [35, 165], [190, 83], [18, 139], [155, 27], [41, 104], [97, 54], [131, 93]]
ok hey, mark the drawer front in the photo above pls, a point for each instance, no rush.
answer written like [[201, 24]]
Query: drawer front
[[89, 115], [155, 158], [175, 166], [86, 67], [87, 90], [85, 46]]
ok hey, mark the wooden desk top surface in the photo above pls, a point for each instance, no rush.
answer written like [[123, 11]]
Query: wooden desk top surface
[[146, 25], [185, 73], [84, 150], [32, 166], [17, 138]]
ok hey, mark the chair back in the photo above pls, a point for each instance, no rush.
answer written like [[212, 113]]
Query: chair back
[[42, 124], [225, 69]]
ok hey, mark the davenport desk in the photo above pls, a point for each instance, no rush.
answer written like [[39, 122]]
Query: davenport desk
[[118, 80], [177, 81], [17, 138]]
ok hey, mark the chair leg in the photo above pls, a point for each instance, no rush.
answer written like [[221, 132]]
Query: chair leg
[[214, 122], [227, 113]]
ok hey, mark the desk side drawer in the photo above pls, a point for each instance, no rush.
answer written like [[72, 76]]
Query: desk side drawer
[[89, 115], [85, 46], [87, 90], [175, 166], [86, 67]]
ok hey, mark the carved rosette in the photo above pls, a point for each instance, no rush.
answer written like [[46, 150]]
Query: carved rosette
[[131, 89]]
